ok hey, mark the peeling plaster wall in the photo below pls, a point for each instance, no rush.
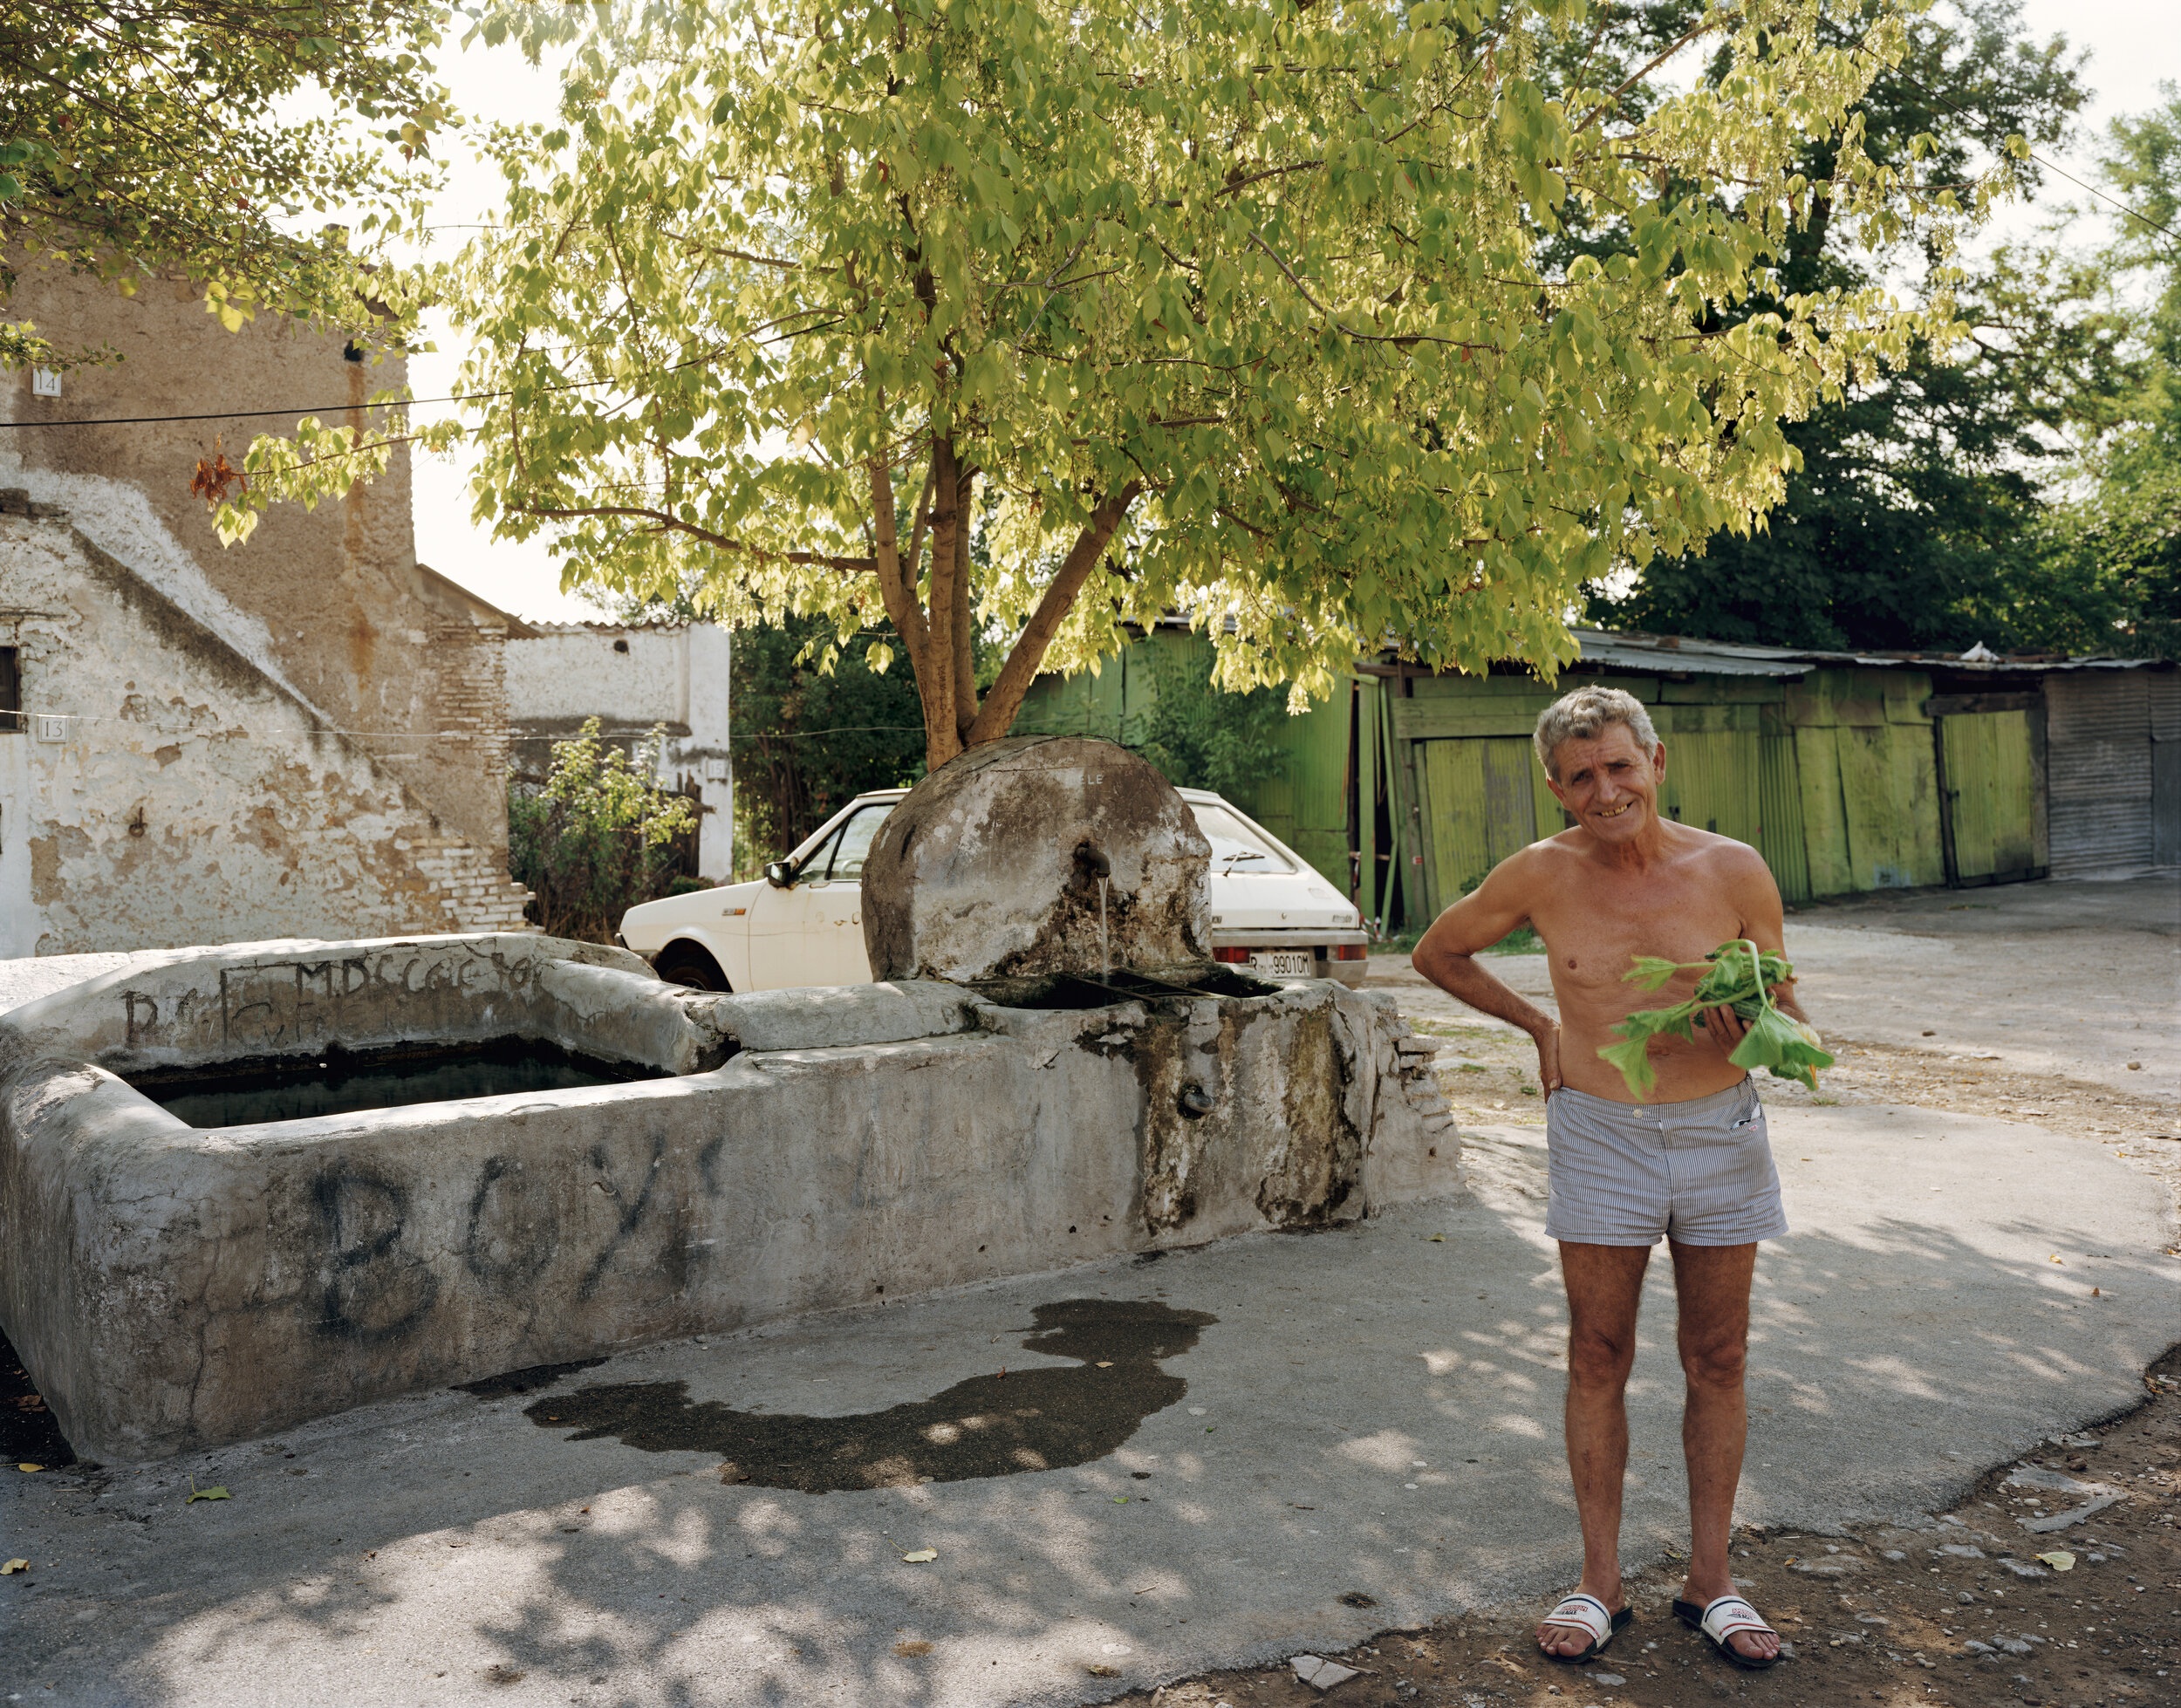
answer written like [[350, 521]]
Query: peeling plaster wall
[[330, 604], [194, 797], [630, 680]]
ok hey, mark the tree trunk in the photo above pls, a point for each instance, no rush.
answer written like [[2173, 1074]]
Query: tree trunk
[[942, 729], [965, 634], [937, 621]]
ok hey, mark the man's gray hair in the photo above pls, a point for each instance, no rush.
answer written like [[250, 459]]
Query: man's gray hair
[[1582, 714]]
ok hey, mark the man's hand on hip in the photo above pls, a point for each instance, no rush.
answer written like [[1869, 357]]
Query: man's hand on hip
[[1549, 1058]]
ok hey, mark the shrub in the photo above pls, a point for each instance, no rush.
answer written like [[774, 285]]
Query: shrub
[[597, 837]]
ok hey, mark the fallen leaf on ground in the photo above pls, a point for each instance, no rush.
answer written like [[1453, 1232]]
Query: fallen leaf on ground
[[1105, 1363], [196, 1493], [2060, 1559], [1100, 1670], [909, 1650], [15, 1566], [918, 1556], [1438, 1239], [30, 1467]]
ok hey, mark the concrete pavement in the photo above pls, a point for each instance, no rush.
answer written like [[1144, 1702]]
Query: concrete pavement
[[1372, 1411]]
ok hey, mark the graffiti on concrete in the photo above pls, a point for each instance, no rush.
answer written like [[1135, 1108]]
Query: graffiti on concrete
[[999, 1425], [512, 1232], [297, 1003], [376, 1287], [374, 1290]]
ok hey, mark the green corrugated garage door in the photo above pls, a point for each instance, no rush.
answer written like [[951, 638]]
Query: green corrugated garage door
[[1991, 796]]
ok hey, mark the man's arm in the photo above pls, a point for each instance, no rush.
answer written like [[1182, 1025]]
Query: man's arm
[[1447, 955], [1763, 922]]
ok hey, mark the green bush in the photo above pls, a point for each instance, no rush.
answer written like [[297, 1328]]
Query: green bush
[[1200, 736], [599, 838]]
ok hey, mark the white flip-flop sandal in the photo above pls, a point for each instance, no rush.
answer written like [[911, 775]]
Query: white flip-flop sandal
[[1730, 1615], [1593, 1618]]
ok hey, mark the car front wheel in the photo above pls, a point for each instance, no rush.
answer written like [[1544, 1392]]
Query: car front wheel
[[687, 965]]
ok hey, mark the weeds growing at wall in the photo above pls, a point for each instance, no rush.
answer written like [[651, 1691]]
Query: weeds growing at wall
[[597, 837]]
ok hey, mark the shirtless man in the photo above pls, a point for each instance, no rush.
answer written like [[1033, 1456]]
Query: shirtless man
[[1690, 1162]]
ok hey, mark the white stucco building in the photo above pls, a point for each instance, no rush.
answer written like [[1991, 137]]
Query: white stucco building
[[632, 678]]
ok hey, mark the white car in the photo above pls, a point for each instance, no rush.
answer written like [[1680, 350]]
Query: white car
[[803, 923]]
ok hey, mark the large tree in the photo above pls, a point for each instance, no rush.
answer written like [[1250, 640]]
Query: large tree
[[1255, 309], [1912, 516], [141, 137], [2121, 538]]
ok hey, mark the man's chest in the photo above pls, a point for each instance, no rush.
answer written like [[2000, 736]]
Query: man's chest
[[1593, 937]]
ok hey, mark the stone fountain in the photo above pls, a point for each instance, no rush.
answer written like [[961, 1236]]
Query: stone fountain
[[246, 1187]]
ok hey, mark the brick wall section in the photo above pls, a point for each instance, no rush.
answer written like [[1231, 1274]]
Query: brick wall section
[[469, 694], [472, 884]]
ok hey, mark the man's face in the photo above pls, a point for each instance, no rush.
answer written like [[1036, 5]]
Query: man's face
[[1610, 783]]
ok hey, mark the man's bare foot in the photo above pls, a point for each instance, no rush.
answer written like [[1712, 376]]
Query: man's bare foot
[[1565, 1638], [1760, 1646]]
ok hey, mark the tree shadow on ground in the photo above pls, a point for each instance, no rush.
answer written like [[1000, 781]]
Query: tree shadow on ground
[[1892, 1363]]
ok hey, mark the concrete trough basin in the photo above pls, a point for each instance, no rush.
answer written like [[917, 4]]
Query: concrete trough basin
[[702, 1161]]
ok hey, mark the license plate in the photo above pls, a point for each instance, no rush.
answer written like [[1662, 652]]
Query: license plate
[[1280, 963]]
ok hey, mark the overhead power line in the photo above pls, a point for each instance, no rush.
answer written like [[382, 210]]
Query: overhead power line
[[1990, 130], [293, 409]]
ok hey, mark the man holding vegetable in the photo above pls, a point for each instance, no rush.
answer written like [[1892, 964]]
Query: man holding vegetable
[[1666, 1138]]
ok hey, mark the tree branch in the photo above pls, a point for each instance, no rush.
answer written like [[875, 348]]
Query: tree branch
[[895, 591], [667, 523], [997, 716]]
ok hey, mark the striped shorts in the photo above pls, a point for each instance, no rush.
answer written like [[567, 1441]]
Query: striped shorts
[[1624, 1174]]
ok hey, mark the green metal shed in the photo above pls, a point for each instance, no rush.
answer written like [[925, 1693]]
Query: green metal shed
[[1847, 772]]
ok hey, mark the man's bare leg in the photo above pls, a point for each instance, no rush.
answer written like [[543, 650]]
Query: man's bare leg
[[1605, 1284], [1712, 1290]]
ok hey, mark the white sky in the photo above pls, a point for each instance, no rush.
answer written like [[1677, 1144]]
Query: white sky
[[2134, 44], [487, 83]]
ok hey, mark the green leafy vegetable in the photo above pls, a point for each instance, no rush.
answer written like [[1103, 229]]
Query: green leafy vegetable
[[1737, 975]]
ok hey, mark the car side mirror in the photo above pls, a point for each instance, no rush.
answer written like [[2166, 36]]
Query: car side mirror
[[780, 874]]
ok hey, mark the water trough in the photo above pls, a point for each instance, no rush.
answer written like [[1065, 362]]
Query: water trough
[[623, 1160]]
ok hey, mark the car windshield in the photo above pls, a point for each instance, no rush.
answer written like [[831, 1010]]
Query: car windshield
[[811, 856], [854, 845], [1237, 847]]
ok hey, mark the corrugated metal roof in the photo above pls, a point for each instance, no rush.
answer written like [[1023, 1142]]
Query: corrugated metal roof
[[1623, 650], [1647, 652], [602, 627], [1703, 658]]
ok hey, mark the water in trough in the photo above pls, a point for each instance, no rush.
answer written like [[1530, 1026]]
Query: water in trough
[[339, 1082]]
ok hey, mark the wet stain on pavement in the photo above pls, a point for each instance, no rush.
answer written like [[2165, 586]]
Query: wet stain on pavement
[[995, 1426], [509, 1384]]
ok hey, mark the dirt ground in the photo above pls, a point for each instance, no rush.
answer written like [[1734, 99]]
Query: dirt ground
[[1962, 1613]]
